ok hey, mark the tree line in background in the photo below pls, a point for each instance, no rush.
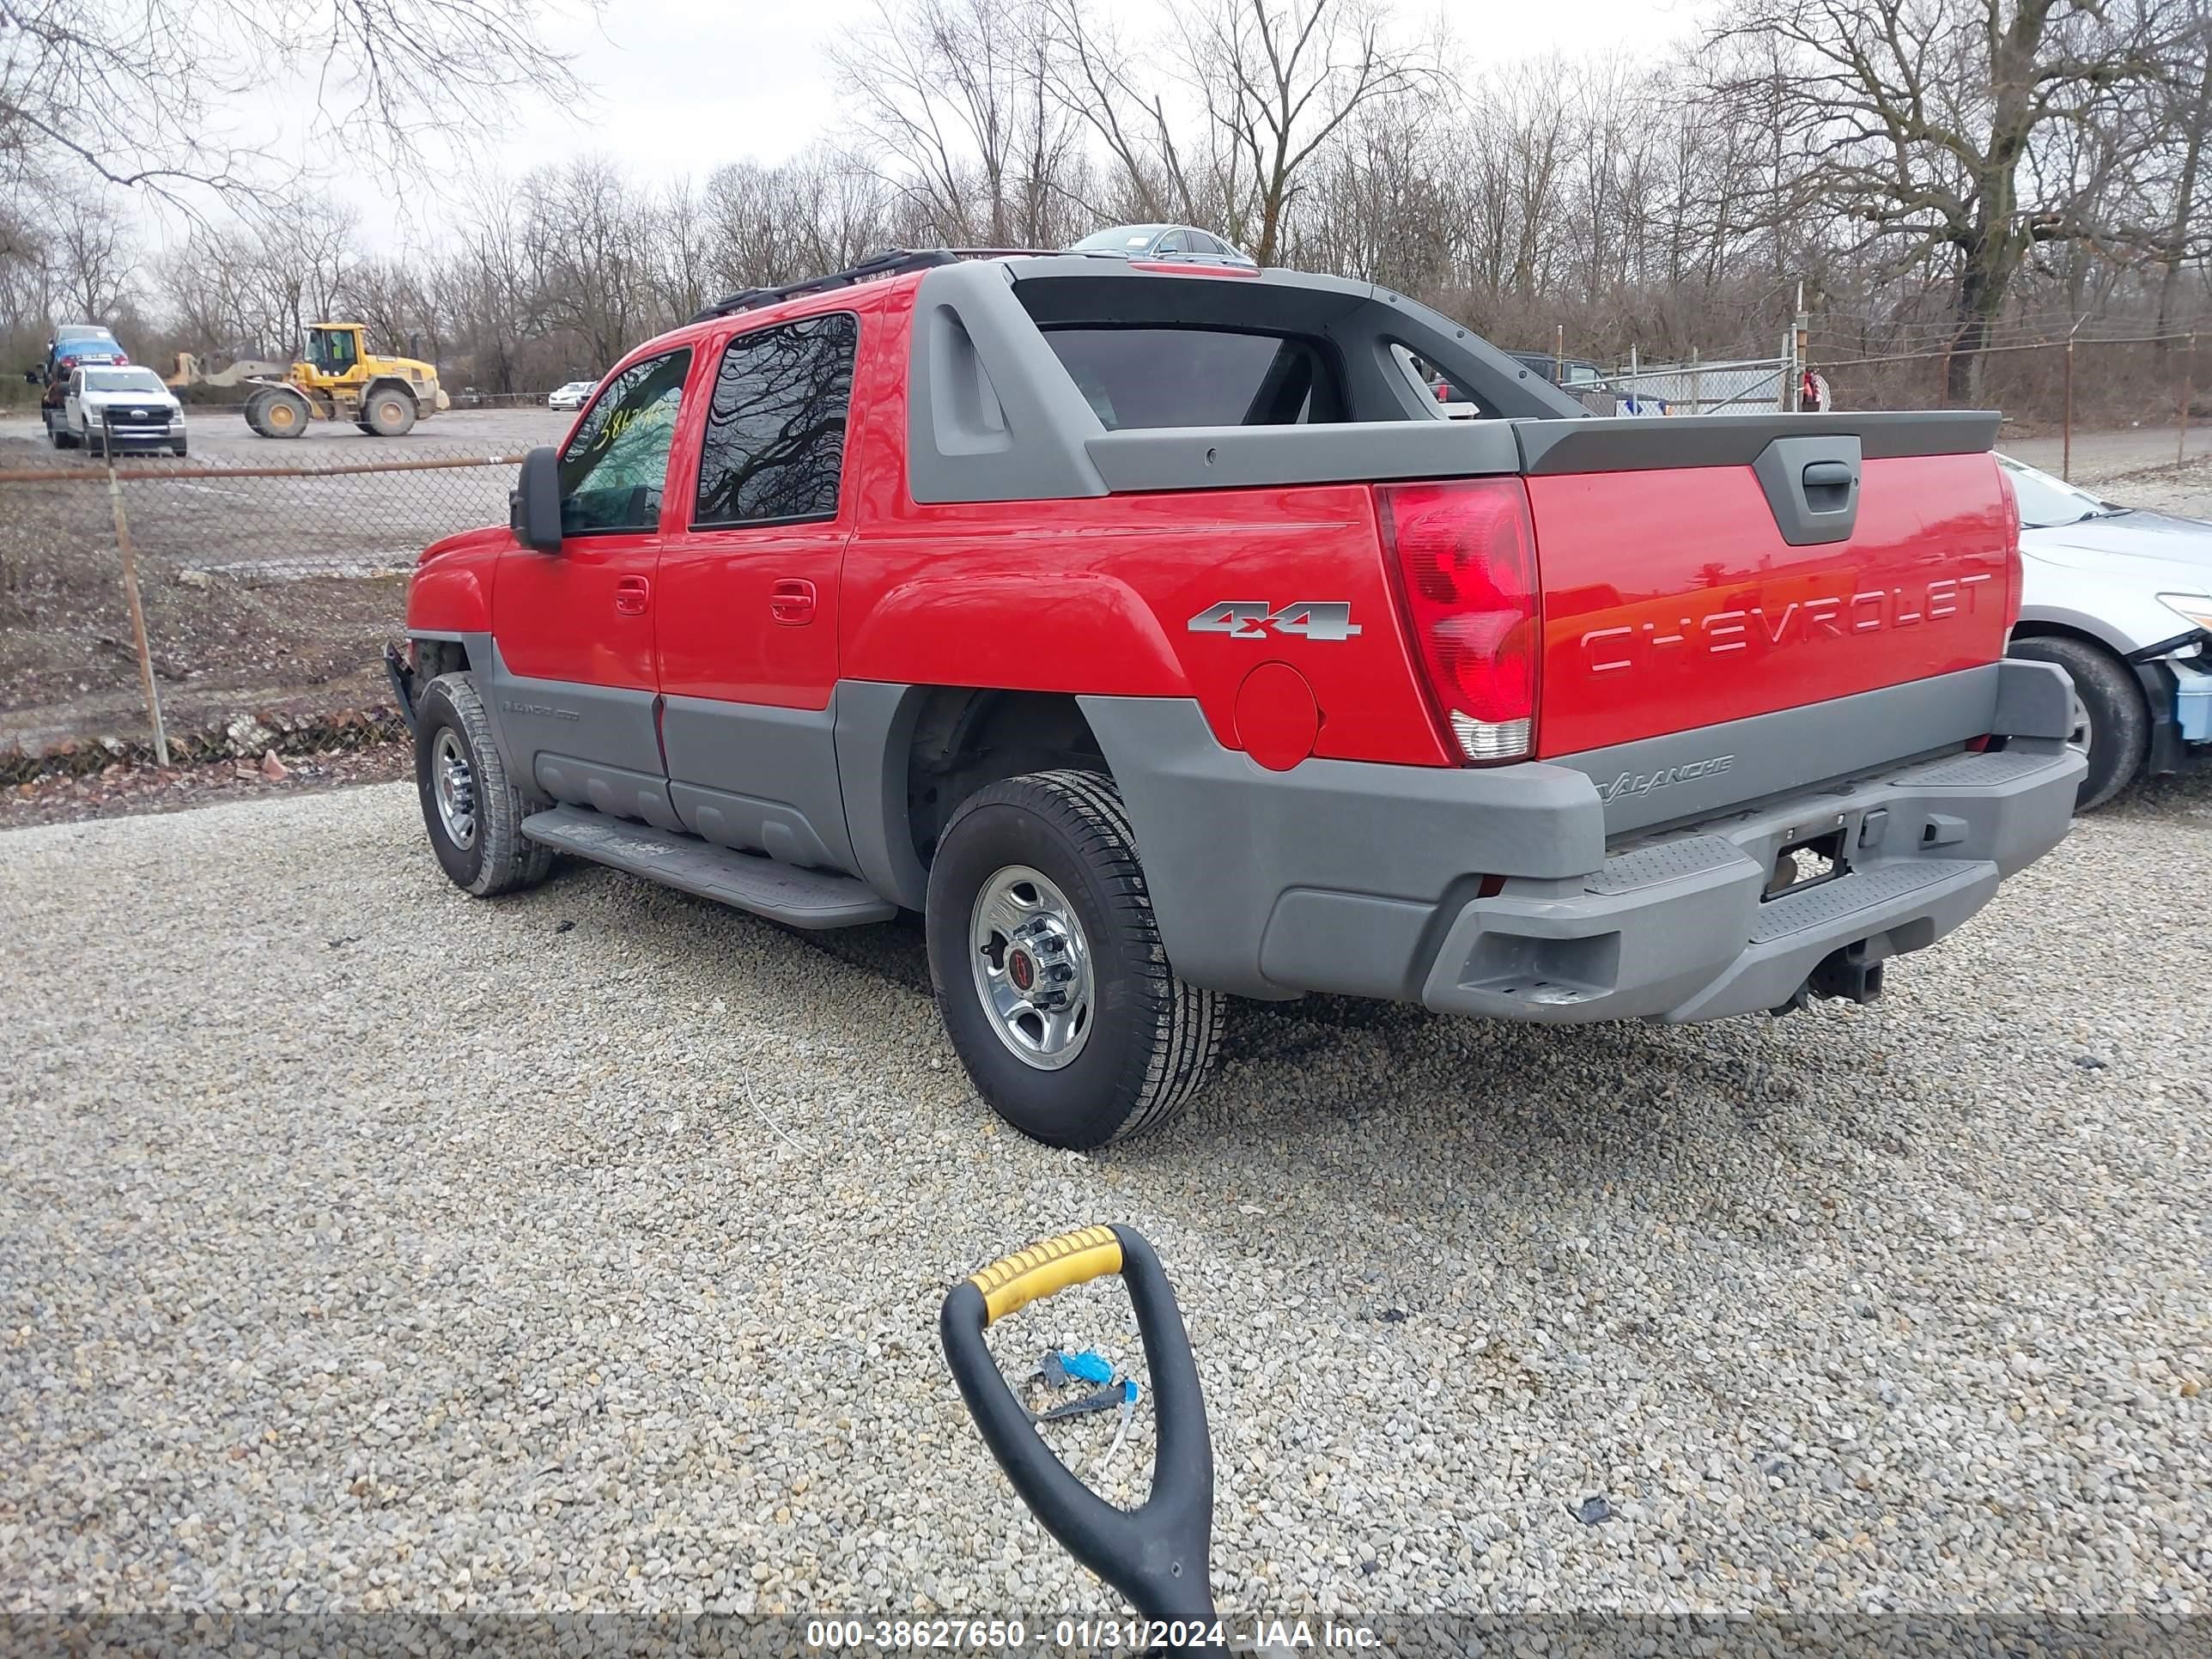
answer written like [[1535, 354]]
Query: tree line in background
[[1938, 177]]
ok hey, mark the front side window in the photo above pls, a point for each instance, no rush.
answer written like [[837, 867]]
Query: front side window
[[614, 468], [774, 449]]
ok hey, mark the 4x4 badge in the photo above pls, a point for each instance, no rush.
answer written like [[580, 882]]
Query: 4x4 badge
[[1250, 619]]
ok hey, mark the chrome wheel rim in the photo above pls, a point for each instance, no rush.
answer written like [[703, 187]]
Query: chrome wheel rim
[[1032, 965], [453, 786]]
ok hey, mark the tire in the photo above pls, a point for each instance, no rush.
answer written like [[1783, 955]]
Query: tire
[[255, 402], [2115, 729], [179, 449], [390, 411], [494, 856], [284, 415], [63, 439], [1144, 1049]]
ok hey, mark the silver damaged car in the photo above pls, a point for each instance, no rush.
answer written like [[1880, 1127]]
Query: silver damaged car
[[2121, 598]]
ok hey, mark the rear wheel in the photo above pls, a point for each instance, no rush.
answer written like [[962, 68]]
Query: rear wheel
[[2111, 724], [1048, 966], [389, 412], [473, 814]]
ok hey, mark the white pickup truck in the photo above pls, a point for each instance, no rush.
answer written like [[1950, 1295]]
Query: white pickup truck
[[120, 404]]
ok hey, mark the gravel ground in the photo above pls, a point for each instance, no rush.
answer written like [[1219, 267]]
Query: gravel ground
[[364, 1246]]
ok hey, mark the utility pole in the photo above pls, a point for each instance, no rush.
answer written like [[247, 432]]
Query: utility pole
[[1800, 339]]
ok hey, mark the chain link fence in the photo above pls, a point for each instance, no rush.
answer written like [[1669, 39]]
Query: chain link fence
[[1745, 386], [210, 589]]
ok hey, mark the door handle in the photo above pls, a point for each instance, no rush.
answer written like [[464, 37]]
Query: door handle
[[791, 602], [632, 594]]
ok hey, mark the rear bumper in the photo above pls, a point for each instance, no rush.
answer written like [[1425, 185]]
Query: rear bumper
[[1677, 927], [1500, 892]]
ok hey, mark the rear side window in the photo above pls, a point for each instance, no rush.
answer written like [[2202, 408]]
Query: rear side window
[[614, 468], [1156, 377], [774, 447]]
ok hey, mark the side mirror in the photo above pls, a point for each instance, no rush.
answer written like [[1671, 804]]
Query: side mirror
[[533, 506]]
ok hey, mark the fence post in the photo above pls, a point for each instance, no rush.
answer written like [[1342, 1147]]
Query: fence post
[[130, 592], [1696, 386], [2188, 375], [2066, 462]]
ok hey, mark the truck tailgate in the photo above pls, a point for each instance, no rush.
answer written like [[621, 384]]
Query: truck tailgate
[[1673, 598]]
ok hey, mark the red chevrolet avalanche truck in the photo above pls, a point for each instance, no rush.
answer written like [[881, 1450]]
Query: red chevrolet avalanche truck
[[1149, 630]]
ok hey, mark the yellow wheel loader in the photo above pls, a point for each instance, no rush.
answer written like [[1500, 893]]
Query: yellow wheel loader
[[338, 380]]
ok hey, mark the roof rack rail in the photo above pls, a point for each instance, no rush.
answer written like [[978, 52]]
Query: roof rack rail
[[890, 261]]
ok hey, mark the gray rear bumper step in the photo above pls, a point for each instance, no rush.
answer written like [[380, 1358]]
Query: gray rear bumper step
[[781, 892]]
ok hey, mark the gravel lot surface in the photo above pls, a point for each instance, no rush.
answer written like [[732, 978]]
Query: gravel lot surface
[[365, 1246]]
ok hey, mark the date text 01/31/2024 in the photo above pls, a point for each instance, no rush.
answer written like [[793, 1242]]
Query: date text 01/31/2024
[[1083, 1635]]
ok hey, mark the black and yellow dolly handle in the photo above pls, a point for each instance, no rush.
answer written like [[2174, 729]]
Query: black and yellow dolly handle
[[1157, 1554]]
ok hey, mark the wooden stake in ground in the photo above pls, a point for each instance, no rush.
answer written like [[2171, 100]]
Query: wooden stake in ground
[[138, 611]]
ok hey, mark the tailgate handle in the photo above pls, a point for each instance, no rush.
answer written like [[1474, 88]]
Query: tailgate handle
[[1811, 485], [1827, 483]]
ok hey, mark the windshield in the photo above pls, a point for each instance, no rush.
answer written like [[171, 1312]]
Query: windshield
[[2045, 501], [123, 379], [1122, 238]]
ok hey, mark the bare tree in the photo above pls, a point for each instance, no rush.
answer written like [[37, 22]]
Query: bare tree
[[1916, 116], [1279, 79], [94, 255], [955, 95], [1113, 93], [174, 96], [2186, 113]]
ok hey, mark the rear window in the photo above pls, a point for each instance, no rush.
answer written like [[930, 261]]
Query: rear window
[[1156, 377]]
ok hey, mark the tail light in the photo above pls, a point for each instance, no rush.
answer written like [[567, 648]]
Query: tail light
[[2015, 579], [1466, 555]]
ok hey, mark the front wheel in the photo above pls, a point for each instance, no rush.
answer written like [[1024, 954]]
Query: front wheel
[[2111, 724], [474, 815], [1048, 966]]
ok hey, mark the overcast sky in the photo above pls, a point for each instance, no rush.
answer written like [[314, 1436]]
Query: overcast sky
[[684, 85]]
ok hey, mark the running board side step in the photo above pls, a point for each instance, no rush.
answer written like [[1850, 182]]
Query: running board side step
[[781, 892]]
